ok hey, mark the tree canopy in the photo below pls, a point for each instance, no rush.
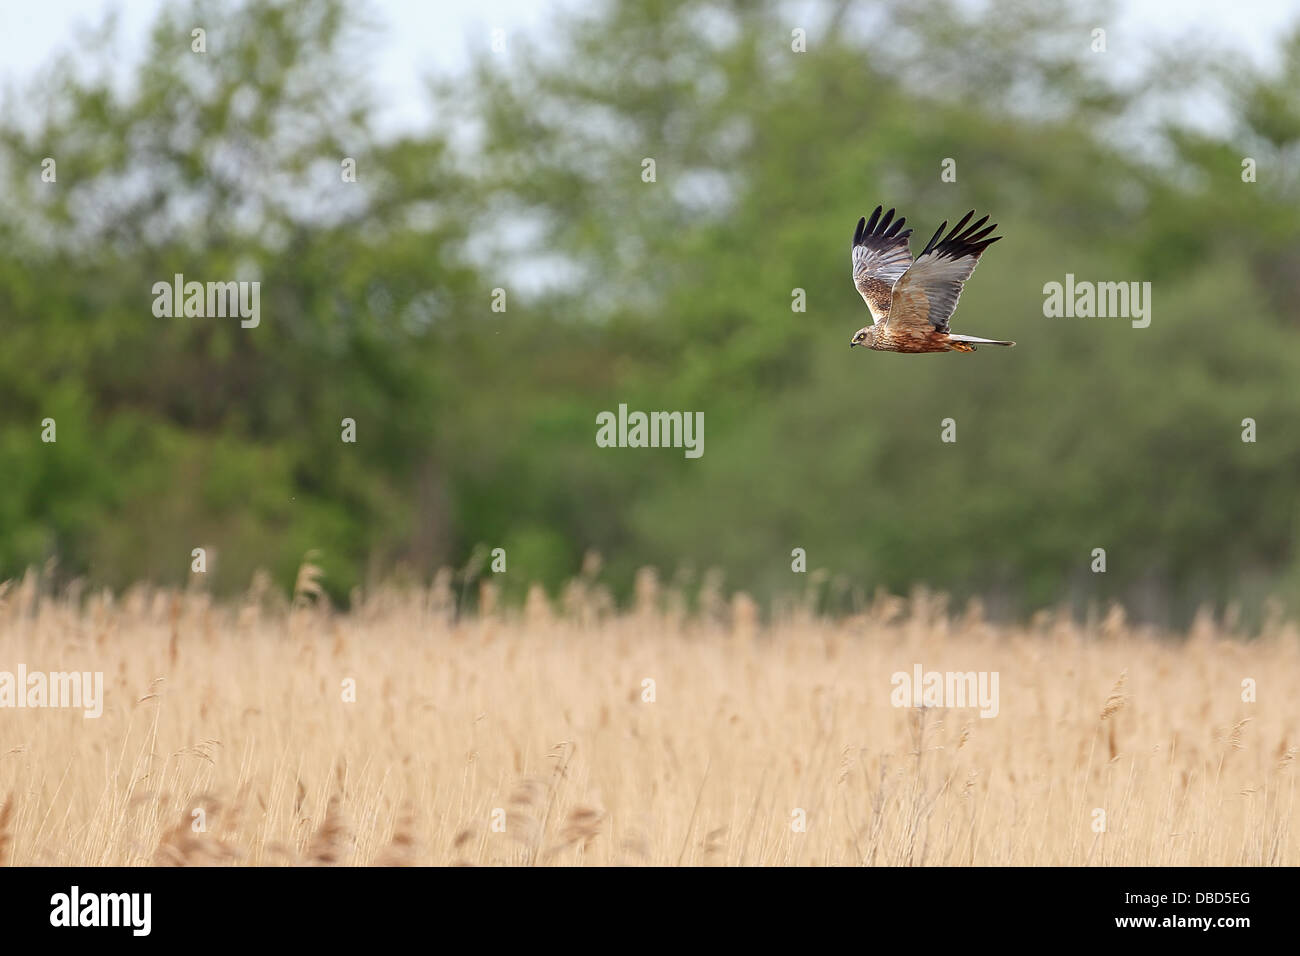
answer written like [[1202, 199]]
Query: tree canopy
[[768, 138]]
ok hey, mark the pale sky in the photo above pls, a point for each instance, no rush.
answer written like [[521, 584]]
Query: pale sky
[[436, 35], [420, 36]]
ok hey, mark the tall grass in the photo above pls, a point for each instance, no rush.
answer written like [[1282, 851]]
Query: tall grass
[[527, 737]]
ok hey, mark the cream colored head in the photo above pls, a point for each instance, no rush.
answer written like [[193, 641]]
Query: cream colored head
[[864, 336]]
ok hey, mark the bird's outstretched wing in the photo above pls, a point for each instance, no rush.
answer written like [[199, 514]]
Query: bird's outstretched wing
[[926, 296], [880, 256]]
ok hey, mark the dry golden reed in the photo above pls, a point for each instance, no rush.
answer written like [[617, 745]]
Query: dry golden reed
[[280, 732]]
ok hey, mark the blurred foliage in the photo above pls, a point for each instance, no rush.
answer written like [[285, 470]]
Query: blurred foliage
[[476, 428]]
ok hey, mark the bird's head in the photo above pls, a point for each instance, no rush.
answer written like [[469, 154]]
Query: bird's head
[[862, 336]]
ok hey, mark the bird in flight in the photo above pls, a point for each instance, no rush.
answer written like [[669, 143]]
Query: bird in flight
[[911, 302]]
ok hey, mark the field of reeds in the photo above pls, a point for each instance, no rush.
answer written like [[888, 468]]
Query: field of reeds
[[270, 732]]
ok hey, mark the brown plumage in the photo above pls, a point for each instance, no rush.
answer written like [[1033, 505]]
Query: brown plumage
[[911, 302]]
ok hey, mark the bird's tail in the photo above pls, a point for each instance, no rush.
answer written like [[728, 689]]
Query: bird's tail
[[976, 340]]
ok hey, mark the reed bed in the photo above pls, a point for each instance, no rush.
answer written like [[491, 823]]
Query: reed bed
[[565, 732]]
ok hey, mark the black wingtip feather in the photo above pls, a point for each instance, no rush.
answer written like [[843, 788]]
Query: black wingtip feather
[[958, 243], [884, 229], [934, 240], [960, 226]]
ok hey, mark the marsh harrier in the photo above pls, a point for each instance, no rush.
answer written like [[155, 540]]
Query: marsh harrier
[[911, 302]]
